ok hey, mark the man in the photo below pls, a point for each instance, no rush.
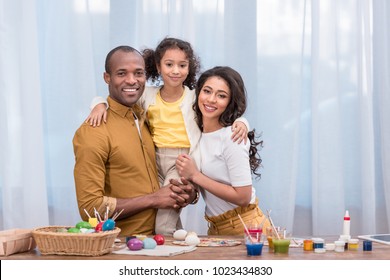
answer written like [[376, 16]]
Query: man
[[115, 163]]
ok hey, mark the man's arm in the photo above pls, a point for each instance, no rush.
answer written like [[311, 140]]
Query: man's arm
[[91, 152], [163, 198], [177, 195]]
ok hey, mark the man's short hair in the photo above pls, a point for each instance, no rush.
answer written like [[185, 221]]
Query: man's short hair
[[120, 48]]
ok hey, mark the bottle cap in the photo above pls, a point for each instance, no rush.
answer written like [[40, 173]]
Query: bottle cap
[[339, 243], [345, 237], [317, 240], [319, 250], [330, 246], [346, 216]]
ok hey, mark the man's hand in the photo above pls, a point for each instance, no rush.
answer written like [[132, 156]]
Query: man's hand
[[165, 198], [183, 192]]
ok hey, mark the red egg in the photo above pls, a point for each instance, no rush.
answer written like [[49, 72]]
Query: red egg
[[159, 238], [99, 227]]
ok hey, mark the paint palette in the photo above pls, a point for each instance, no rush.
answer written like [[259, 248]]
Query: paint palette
[[380, 238], [212, 242]]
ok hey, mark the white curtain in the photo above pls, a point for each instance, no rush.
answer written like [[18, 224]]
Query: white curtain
[[317, 75]]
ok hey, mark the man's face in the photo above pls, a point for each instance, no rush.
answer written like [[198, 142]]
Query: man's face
[[126, 80]]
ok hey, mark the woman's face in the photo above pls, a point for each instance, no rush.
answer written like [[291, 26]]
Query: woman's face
[[213, 99]]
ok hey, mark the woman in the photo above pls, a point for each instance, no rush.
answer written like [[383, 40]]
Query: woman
[[224, 176]]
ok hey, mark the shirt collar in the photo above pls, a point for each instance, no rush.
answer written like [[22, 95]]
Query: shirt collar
[[123, 110]]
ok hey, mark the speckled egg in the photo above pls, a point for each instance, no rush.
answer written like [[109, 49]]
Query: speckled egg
[[149, 243], [135, 244], [180, 234], [192, 240]]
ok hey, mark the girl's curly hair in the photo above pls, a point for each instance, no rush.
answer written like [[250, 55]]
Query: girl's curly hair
[[153, 58]]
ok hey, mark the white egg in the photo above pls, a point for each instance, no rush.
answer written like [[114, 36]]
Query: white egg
[[192, 240], [180, 234], [192, 233]]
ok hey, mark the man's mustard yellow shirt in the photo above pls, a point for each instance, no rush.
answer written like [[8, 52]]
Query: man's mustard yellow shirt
[[113, 161]]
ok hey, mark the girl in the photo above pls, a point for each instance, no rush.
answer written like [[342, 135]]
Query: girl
[[169, 114], [224, 175]]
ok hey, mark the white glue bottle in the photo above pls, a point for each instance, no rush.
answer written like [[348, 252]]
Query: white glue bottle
[[347, 224]]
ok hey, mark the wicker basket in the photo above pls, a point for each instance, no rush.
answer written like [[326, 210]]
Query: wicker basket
[[16, 241], [50, 241]]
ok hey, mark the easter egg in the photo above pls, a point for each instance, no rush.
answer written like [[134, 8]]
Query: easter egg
[[149, 243], [74, 230], [108, 225], [83, 224], [135, 244], [180, 234], [160, 239], [99, 227], [93, 222], [87, 230], [192, 240]]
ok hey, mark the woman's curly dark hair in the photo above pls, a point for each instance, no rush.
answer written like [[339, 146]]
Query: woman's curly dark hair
[[153, 58], [235, 109], [254, 156]]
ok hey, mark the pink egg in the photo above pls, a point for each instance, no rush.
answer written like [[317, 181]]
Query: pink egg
[[135, 244]]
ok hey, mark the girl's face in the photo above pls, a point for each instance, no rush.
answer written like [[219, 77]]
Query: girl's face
[[213, 99], [174, 67]]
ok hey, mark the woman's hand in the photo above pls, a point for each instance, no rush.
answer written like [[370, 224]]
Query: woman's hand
[[183, 192], [240, 132], [98, 113], [186, 166]]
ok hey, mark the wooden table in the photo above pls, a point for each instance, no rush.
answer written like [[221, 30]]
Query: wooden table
[[379, 252]]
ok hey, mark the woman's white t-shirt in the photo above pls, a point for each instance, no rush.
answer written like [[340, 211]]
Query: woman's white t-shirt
[[227, 162]]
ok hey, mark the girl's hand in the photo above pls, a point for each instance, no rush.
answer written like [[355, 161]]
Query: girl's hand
[[186, 166], [240, 132], [98, 113]]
